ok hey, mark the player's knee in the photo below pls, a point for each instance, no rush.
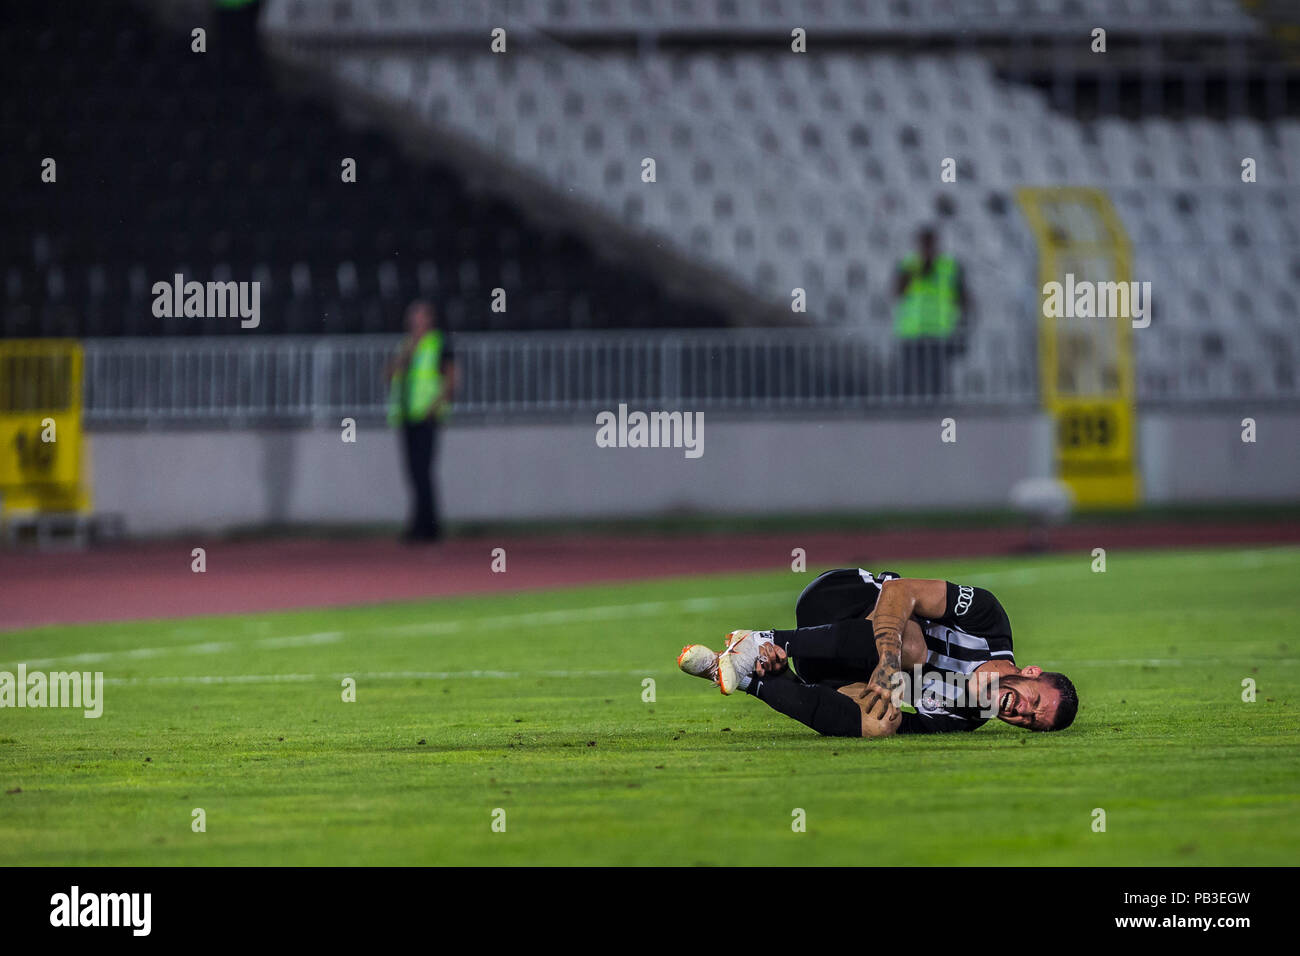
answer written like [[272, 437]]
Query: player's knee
[[811, 607]]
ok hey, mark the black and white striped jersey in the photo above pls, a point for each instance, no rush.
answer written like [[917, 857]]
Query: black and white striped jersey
[[973, 630]]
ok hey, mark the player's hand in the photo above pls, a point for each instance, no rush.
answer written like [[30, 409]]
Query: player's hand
[[880, 718], [771, 660]]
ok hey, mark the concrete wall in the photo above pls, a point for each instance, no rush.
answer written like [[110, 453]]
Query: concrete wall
[[165, 481], [1200, 456]]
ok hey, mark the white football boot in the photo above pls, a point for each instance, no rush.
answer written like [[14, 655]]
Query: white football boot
[[699, 661], [736, 663]]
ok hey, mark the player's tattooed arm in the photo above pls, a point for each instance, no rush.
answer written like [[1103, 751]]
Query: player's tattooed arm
[[899, 600]]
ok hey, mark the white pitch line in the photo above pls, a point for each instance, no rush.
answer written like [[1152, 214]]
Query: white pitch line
[[379, 675], [430, 628], [204, 647]]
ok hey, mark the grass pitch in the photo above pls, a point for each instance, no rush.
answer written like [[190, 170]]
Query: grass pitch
[[534, 704]]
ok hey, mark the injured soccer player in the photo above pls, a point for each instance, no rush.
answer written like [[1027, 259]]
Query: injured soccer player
[[874, 656]]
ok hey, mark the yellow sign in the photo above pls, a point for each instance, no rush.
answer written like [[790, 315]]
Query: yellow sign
[[40, 426], [1086, 361]]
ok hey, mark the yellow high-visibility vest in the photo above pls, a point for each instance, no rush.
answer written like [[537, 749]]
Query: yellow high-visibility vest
[[929, 306], [412, 391]]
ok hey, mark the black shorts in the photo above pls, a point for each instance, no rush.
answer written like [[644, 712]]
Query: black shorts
[[839, 595]]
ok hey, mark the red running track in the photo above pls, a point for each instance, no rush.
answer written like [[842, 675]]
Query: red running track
[[154, 580]]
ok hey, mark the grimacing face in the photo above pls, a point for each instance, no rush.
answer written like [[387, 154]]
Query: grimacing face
[[1026, 701]]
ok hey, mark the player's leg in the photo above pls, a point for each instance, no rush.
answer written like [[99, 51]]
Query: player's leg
[[819, 706], [832, 709], [844, 650]]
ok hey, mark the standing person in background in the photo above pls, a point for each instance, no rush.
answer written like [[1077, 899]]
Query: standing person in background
[[421, 378], [928, 320]]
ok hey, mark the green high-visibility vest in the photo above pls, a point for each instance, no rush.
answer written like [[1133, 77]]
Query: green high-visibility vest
[[412, 392], [929, 305]]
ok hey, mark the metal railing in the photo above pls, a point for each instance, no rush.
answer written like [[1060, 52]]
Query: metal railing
[[238, 380], [290, 380]]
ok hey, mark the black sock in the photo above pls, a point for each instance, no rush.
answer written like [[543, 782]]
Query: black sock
[[850, 644], [824, 709]]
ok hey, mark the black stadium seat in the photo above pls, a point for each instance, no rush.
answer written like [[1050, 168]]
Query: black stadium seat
[[172, 161]]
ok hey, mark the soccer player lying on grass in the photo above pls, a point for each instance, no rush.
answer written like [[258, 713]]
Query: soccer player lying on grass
[[864, 645]]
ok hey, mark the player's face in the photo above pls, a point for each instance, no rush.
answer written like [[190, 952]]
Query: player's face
[[1027, 702]]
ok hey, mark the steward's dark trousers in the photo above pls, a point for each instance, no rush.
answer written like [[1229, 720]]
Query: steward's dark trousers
[[924, 368], [420, 441]]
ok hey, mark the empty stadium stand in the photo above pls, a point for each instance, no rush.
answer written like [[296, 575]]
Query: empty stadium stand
[[371, 20], [774, 171], [779, 171]]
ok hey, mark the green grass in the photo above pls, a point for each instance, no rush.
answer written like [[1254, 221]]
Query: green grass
[[533, 703]]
